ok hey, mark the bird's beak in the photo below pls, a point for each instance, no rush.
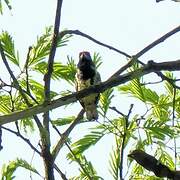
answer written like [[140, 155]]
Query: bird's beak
[[130, 155], [82, 55]]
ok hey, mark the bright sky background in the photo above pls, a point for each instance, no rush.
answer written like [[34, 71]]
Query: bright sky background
[[128, 25]]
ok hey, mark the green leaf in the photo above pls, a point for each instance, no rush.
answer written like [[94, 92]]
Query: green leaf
[[168, 86], [87, 170], [37, 89], [105, 100], [27, 124], [165, 158], [87, 141], [5, 104], [60, 71], [161, 108], [9, 169], [7, 2], [41, 49], [115, 160], [97, 60], [135, 89], [9, 48], [63, 121], [158, 129]]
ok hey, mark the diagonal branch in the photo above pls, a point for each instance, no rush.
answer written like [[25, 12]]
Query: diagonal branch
[[23, 138], [158, 41], [27, 141], [16, 84], [77, 32], [66, 134], [99, 88]]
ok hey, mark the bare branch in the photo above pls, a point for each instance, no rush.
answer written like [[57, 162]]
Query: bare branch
[[63, 176], [158, 41], [77, 32], [47, 76], [65, 135], [23, 138]]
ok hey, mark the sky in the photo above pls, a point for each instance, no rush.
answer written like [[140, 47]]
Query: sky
[[128, 25]]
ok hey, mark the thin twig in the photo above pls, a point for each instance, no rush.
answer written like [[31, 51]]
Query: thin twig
[[26, 70], [151, 83], [117, 111], [126, 118], [76, 158], [65, 135], [63, 176], [77, 32], [23, 138], [47, 77], [173, 124]]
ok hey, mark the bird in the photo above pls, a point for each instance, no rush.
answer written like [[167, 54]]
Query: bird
[[86, 76], [152, 164]]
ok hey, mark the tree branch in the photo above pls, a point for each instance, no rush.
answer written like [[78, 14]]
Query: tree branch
[[23, 138], [126, 118], [18, 86], [99, 88], [77, 32], [74, 155], [33, 148], [46, 154], [158, 41], [65, 135]]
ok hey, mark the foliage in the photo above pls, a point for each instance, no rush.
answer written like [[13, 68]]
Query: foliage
[[155, 126], [9, 169], [7, 2]]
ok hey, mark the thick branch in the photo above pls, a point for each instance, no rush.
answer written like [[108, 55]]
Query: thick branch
[[46, 154], [47, 77], [99, 88]]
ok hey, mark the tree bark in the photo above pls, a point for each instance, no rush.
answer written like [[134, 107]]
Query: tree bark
[[48, 163]]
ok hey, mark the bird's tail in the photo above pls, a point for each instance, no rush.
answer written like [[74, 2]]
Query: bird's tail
[[91, 112]]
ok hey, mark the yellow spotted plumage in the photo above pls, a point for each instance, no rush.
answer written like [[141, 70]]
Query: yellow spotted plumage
[[87, 76]]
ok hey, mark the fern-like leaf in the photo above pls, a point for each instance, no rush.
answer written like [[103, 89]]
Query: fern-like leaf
[[9, 47], [9, 169]]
